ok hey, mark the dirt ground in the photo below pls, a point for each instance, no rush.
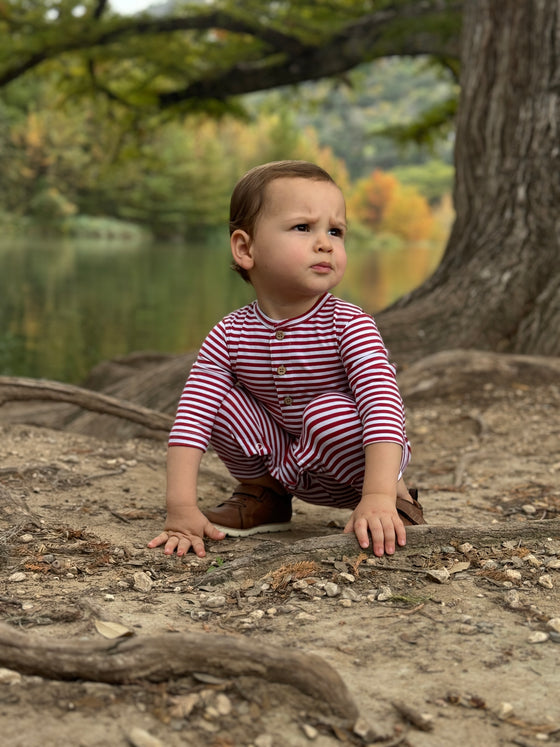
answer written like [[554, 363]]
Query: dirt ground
[[466, 634]]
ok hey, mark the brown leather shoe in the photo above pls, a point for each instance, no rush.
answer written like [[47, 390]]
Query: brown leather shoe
[[411, 513], [252, 509]]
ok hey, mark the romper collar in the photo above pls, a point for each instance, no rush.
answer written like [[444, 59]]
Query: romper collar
[[266, 321]]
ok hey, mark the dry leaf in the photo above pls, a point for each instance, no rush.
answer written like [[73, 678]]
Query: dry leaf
[[111, 629]]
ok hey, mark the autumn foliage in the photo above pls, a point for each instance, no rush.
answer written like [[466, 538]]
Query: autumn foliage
[[383, 204]]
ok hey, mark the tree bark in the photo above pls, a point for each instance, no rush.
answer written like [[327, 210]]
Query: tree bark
[[158, 658], [498, 285]]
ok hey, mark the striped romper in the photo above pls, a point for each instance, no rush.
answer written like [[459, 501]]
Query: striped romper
[[297, 398]]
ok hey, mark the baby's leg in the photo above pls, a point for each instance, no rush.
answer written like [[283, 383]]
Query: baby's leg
[[249, 442]]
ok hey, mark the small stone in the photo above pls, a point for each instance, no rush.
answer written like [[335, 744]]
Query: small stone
[[532, 560], [554, 564], [440, 575], [513, 575], [539, 636], [384, 594], [332, 589], [465, 548], [529, 509], [448, 549], [141, 738], [309, 731], [26, 539], [554, 624], [505, 710], [546, 581], [490, 564], [348, 577], [272, 611], [17, 577], [513, 600], [363, 730], [9, 677], [142, 582], [345, 603], [256, 615], [223, 704], [109, 597], [215, 601], [263, 740], [350, 594]]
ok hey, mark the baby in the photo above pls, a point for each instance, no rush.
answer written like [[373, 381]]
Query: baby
[[294, 391]]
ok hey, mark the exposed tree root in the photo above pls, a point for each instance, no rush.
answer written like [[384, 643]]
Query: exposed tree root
[[272, 553], [16, 388], [175, 655]]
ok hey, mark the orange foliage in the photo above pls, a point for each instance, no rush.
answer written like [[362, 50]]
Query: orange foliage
[[381, 202]]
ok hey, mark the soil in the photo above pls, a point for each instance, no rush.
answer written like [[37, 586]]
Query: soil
[[472, 652]]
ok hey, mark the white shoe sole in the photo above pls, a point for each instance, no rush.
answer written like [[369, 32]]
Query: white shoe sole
[[262, 529]]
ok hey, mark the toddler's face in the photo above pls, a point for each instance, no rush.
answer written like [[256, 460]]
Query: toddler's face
[[297, 252]]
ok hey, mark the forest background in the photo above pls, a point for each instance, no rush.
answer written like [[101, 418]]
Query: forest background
[[74, 161]]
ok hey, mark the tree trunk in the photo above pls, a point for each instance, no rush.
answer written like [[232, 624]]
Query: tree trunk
[[498, 285]]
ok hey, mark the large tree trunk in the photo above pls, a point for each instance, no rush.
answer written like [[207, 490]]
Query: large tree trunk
[[498, 285]]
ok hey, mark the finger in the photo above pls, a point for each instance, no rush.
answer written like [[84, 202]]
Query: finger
[[378, 537], [184, 545], [401, 533], [171, 544], [361, 532], [159, 540], [198, 547], [389, 534]]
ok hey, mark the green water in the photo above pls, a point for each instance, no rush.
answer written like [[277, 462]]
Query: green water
[[67, 304]]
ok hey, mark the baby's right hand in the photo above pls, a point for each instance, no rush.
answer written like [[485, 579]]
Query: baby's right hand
[[185, 531]]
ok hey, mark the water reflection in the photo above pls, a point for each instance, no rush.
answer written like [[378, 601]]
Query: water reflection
[[67, 304]]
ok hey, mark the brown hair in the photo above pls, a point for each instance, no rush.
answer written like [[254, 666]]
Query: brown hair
[[247, 198]]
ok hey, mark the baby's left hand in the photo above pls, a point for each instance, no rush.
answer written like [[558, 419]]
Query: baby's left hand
[[377, 514]]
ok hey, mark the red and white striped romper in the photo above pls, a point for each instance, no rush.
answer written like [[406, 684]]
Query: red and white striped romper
[[298, 398]]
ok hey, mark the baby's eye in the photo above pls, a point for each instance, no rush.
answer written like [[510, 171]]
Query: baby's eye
[[301, 227], [337, 232]]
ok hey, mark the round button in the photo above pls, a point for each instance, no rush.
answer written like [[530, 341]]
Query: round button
[[281, 370], [288, 400], [280, 334]]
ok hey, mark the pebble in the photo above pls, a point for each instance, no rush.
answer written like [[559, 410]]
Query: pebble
[[385, 593], [332, 589], [215, 601], [554, 564], [554, 624], [26, 538], [529, 509], [533, 561], [9, 677], [546, 581], [465, 547], [505, 710], [539, 636], [263, 740], [223, 704], [141, 738], [142, 582], [345, 603], [350, 594], [309, 731], [513, 600], [17, 577], [513, 575], [349, 577]]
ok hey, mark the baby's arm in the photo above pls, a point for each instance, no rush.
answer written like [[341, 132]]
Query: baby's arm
[[186, 525], [377, 512]]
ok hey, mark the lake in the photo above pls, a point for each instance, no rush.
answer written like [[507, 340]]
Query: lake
[[67, 304]]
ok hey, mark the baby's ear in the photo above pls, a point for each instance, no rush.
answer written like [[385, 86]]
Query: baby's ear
[[241, 244]]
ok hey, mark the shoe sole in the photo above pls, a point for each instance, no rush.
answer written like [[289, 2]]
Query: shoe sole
[[262, 529]]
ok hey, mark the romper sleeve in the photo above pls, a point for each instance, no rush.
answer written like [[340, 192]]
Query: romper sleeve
[[209, 381], [373, 383]]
